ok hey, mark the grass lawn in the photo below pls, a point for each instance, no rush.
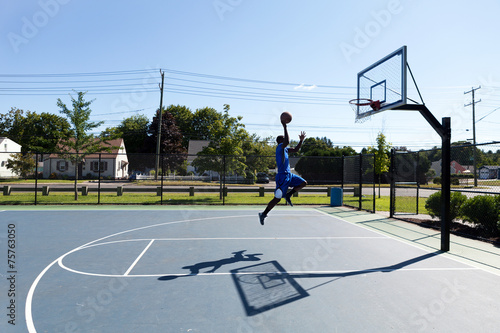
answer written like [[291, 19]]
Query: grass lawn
[[381, 204]]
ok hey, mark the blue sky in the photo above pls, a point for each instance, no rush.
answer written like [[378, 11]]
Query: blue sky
[[271, 47]]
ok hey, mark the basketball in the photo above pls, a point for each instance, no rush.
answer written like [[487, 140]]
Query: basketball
[[286, 117]]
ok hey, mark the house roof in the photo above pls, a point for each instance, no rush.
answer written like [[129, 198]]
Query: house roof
[[115, 145], [490, 167], [458, 167], [7, 140], [195, 146]]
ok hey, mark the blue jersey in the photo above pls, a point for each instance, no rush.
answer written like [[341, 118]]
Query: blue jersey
[[282, 161]]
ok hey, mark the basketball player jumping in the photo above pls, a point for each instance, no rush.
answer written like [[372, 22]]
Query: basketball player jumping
[[284, 177]]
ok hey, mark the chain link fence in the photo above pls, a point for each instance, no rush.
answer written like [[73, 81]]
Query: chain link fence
[[475, 187], [105, 178]]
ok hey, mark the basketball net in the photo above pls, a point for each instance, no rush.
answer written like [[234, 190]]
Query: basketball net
[[364, 108]]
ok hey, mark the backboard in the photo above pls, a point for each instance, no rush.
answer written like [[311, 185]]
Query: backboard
[[384, 81]]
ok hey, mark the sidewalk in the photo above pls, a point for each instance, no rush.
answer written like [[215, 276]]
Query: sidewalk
[[472, 252]]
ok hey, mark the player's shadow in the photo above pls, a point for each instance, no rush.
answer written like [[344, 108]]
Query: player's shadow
[[265, 286], [195, 269], [386, 269]]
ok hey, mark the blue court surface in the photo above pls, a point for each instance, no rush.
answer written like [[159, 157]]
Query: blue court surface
[[218, 270]]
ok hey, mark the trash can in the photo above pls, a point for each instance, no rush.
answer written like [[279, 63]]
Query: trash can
[[336, 196]]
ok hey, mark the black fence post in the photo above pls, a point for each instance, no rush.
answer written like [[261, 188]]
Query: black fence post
[[418, 178], [374, 182], [342, 167], [224, 181], [162, 174], [36, 177], [99, 181], [392, 177], [360, 181]]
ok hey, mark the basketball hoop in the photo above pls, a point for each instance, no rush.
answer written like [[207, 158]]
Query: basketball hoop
[[364, 108], [362, 105]]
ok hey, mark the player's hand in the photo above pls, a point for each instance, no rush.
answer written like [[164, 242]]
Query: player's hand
[[302, 136]]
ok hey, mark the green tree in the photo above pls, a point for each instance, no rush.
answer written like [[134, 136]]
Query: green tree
[[22, 164], [133, 130], [33, 131], [7, 121], [382, 157], [259, 154], [324, 147], [80, 143], [226, 134], [173, 153], [227, 137], [184, 120]]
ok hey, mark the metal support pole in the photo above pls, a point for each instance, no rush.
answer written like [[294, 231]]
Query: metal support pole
[[445, 189], [473, 103], [158, 135], [444, 131]]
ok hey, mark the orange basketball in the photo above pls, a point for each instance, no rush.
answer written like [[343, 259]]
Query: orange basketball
[[286, 117]]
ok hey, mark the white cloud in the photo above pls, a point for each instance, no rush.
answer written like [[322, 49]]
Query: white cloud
[[306, 88]]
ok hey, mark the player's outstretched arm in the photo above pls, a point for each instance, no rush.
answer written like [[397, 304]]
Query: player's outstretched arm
[[295, 149]]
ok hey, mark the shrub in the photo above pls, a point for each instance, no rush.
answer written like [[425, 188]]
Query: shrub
[[437, 180], [53, 175], [433, 204], [483, 211]]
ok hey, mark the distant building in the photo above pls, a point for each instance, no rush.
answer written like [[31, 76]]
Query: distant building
[[455, 168], [194, 147], [113, 164], [489, 172], [7, 148]]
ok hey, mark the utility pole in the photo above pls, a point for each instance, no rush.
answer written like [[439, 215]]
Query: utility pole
[[158, 136], [473, 103]]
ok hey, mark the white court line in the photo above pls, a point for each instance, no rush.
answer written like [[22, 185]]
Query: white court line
[[233, 238], [138, 258], [28, 315]]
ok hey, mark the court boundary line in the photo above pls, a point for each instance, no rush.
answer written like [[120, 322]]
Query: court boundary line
[[28, 315], [75, 271]]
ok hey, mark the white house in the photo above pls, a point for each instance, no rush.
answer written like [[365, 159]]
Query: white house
[[113, 164], [7, 147], [489, 172]]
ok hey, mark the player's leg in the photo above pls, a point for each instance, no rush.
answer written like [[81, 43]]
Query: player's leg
[[270, 206], [297, 183], [281, 188]]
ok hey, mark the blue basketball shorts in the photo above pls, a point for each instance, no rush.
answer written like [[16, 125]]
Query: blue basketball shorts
[[284, 181]]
